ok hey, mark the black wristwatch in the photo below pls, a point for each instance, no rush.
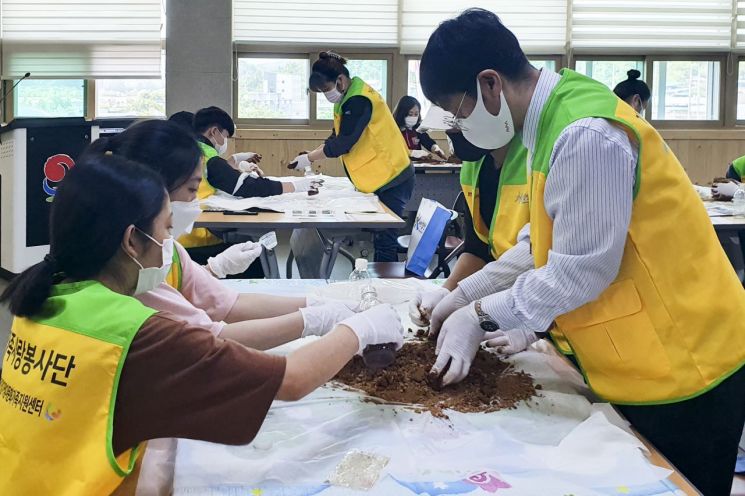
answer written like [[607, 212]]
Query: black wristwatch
[[486, 322]]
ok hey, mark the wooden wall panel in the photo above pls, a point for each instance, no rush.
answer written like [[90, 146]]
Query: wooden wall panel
[[705, 154]]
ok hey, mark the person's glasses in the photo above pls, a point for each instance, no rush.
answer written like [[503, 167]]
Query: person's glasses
[[455, 122]]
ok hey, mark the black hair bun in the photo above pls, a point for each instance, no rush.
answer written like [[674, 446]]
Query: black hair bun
[[332, 55], [633, 74]]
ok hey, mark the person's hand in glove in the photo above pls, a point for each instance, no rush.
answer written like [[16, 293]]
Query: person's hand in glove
[[301, 162], [247, 157], [321, 319], [251, 168], [314, 301], [235, 259], [457, 344], [421, 307], [304, 185], [511, 341], [438, 151], [449, 304], [378, 325], [725, 190]]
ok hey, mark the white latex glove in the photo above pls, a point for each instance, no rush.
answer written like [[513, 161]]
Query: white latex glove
[[438, 151], [459, 340], [420, 308], [314, 301], [246, 157], [303, 185], [511, 341], [320, 319], [378, 325], [727, 189], [300, 162], [449, 304], [235, 259], [251, 167]]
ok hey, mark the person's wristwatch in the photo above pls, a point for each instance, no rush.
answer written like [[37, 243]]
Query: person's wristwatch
[[486, 322]]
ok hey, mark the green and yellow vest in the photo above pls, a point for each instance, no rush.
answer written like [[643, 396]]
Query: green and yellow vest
[[670, 326], [511, 211], [739, 165], [380, 155], [58, 391]]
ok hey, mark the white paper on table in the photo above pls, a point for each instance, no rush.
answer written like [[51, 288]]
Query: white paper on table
[[339, 201], [719, 210]]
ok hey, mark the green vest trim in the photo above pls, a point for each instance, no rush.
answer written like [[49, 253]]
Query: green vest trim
[[739, 165], [356, 88], [91, 309], [596, 101]]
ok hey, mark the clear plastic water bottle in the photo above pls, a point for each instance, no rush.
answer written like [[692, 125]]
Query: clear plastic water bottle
[[375, 356], [738, 202]]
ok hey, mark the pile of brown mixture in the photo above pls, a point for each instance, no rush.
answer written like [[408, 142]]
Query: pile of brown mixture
[[491, 384]]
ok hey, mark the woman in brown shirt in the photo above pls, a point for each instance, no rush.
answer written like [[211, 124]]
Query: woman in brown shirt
[[110, 227]]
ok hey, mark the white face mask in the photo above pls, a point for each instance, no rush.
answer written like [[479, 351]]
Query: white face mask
[[484, 130], [221, 149], [333, 95], [411, 121], [149, 278], [184, 215]]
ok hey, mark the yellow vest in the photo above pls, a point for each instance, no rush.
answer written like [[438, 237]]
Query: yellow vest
[[58, 391], [200, 236], [511, 211], [670, 326], [381, 154], [175, 275]]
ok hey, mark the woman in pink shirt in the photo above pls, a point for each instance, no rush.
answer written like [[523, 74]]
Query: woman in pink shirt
[[193, 291]]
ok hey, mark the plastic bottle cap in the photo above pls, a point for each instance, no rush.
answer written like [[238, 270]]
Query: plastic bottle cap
[[360, 264]]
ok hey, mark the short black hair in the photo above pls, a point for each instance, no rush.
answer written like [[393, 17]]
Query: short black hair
[[462, 47], [184, 119], [213, 116], [329, 66], [633, 86], [405, 104]]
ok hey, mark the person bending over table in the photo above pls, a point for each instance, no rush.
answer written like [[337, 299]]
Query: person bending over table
[[115, 373], [367, 140], [652, 312]]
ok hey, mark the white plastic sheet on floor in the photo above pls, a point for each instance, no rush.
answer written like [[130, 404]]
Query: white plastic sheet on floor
[[559, 443]]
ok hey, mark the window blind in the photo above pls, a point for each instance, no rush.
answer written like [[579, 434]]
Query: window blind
[[671, 25], [76, 39], [740, 25], [540, 25], [331, 22]]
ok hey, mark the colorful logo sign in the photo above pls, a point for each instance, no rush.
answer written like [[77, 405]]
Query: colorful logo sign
[[52, 413], [55, 169]]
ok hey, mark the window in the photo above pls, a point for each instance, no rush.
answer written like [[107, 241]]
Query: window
[[414, 87], [544, 64], [273, 88], [130, 98], [741, 91], [373, 71], [49, 98], [609, 72], [685, 90]]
